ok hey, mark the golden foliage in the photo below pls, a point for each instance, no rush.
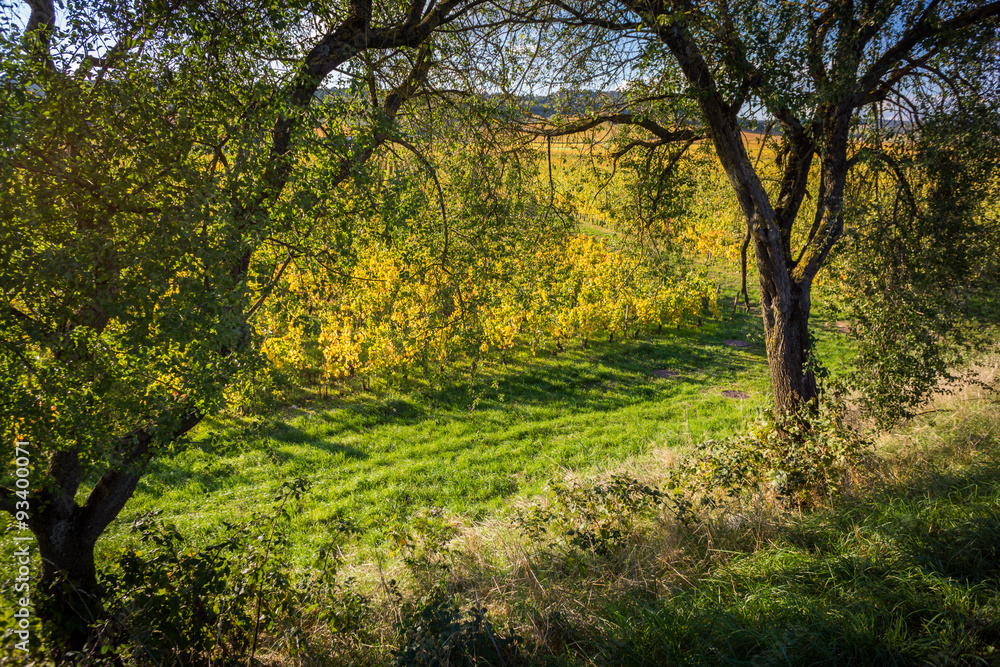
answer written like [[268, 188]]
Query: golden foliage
[[404, 310]]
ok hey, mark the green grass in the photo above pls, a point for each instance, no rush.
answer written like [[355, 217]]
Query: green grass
[[908, 575], [468, 447], [904, 571]]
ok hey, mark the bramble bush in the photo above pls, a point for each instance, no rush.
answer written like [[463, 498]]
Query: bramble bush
[[435, 632], [800, 458], [596, 517]]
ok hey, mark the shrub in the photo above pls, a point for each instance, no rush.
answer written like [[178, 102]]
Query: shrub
[[435, 633], [597, 517], [800, 458], [172, 602]]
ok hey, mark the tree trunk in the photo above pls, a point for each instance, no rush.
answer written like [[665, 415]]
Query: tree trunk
[[786, 331], [69, 596]]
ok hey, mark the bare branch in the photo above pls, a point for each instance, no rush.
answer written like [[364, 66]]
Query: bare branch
[[924, 30], [587, 20], [618, 154], [818, 30], [665, 135]]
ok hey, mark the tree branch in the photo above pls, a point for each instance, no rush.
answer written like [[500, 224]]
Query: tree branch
[[897, 170], [444, 215], [409, 85], [795, 178], [665, 135], [586, 20], [618, 154], [884, 87], [817, 32], [352, 37], [133, 453], [667, 170], [925, 29], [269, 289], [38, 31]]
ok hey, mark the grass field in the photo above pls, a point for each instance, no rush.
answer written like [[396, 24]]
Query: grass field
[[437, 480], [467, 444], [900, 570], [903, 571], [470, 445]]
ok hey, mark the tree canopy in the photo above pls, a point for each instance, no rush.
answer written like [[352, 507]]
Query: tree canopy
[[150, 153]]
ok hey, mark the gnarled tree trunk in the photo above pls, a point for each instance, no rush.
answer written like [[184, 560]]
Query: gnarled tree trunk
[[68, 592], [786, 332], [69, 595]]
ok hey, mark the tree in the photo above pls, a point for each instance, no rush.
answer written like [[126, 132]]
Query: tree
[[848, 84], [149, 151]]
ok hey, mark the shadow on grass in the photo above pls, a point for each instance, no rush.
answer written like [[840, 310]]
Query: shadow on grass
[[604, 377], [908, 575], [968, 552], [209, 464], [693, 630], [951, 524], [583, 377]]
